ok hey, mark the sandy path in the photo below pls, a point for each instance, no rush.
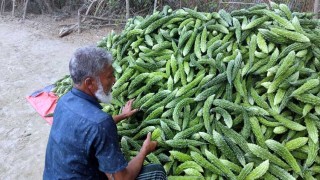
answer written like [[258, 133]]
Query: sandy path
[[30, 59]]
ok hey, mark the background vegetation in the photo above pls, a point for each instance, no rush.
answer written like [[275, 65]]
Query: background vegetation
[[117, 8]]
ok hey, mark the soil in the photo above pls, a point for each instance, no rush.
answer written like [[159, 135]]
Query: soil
[[32, 56]]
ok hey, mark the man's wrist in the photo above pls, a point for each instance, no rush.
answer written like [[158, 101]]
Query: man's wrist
[[124, 116], [143, 152]]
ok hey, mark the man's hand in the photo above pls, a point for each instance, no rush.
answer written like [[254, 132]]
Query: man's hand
[[134, 166], [148, 145], [127, 110]]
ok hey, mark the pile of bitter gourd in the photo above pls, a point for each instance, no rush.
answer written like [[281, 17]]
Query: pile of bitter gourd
[[226, 95]]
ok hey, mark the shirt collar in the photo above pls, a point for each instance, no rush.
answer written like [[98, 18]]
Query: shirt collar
[[86, 96]]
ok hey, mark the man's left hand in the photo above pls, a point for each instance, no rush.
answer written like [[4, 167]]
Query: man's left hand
[[127, 110]]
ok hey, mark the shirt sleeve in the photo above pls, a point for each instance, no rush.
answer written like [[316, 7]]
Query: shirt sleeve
[[108, 153]]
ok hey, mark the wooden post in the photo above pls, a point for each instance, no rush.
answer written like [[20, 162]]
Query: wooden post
[[155, 6], [127, 9], [25, 9], [316, 9]]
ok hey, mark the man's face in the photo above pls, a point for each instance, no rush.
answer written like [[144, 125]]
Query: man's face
[[105, 82]]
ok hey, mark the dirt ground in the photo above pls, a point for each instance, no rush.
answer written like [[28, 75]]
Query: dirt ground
[[32, 56]]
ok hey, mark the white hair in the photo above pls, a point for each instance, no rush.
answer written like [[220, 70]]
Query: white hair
[[88, 61]]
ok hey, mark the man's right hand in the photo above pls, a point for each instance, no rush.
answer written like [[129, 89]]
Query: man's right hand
[[148, 145], [134, 166]]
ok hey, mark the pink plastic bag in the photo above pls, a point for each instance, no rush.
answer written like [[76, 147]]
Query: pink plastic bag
[[44, 102]]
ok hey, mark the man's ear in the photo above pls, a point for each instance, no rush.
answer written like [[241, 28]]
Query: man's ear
[[90, 84]]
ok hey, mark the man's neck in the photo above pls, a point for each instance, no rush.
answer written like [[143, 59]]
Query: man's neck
[[83, 89]]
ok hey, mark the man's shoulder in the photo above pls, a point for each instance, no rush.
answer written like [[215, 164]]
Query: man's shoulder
[[76, 106]]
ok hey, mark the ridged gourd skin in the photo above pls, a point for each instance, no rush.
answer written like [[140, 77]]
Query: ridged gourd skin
[[296, 143], [259, 171], [265, 154], [284, 153], [188, 164], [226, 95], [295, 36]]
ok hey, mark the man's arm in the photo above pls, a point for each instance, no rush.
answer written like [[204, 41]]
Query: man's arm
[[118, 118], [127, 111], [134, 166]]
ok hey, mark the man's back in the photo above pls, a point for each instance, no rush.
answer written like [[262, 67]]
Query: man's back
[[81, 140]]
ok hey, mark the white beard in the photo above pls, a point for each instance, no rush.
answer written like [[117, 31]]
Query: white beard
[[101, 95]]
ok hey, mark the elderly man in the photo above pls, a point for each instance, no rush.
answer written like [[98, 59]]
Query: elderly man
[[83, 142]]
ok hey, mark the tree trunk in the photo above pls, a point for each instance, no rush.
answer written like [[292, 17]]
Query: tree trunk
[[155, 6], [13, 7], [49, 6], [219, 5], [316, 9], [2, 6], [79, 21], [45, 6], [25, 9], [127, 9]]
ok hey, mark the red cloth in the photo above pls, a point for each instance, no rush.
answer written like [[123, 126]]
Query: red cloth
[[44, 103]]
